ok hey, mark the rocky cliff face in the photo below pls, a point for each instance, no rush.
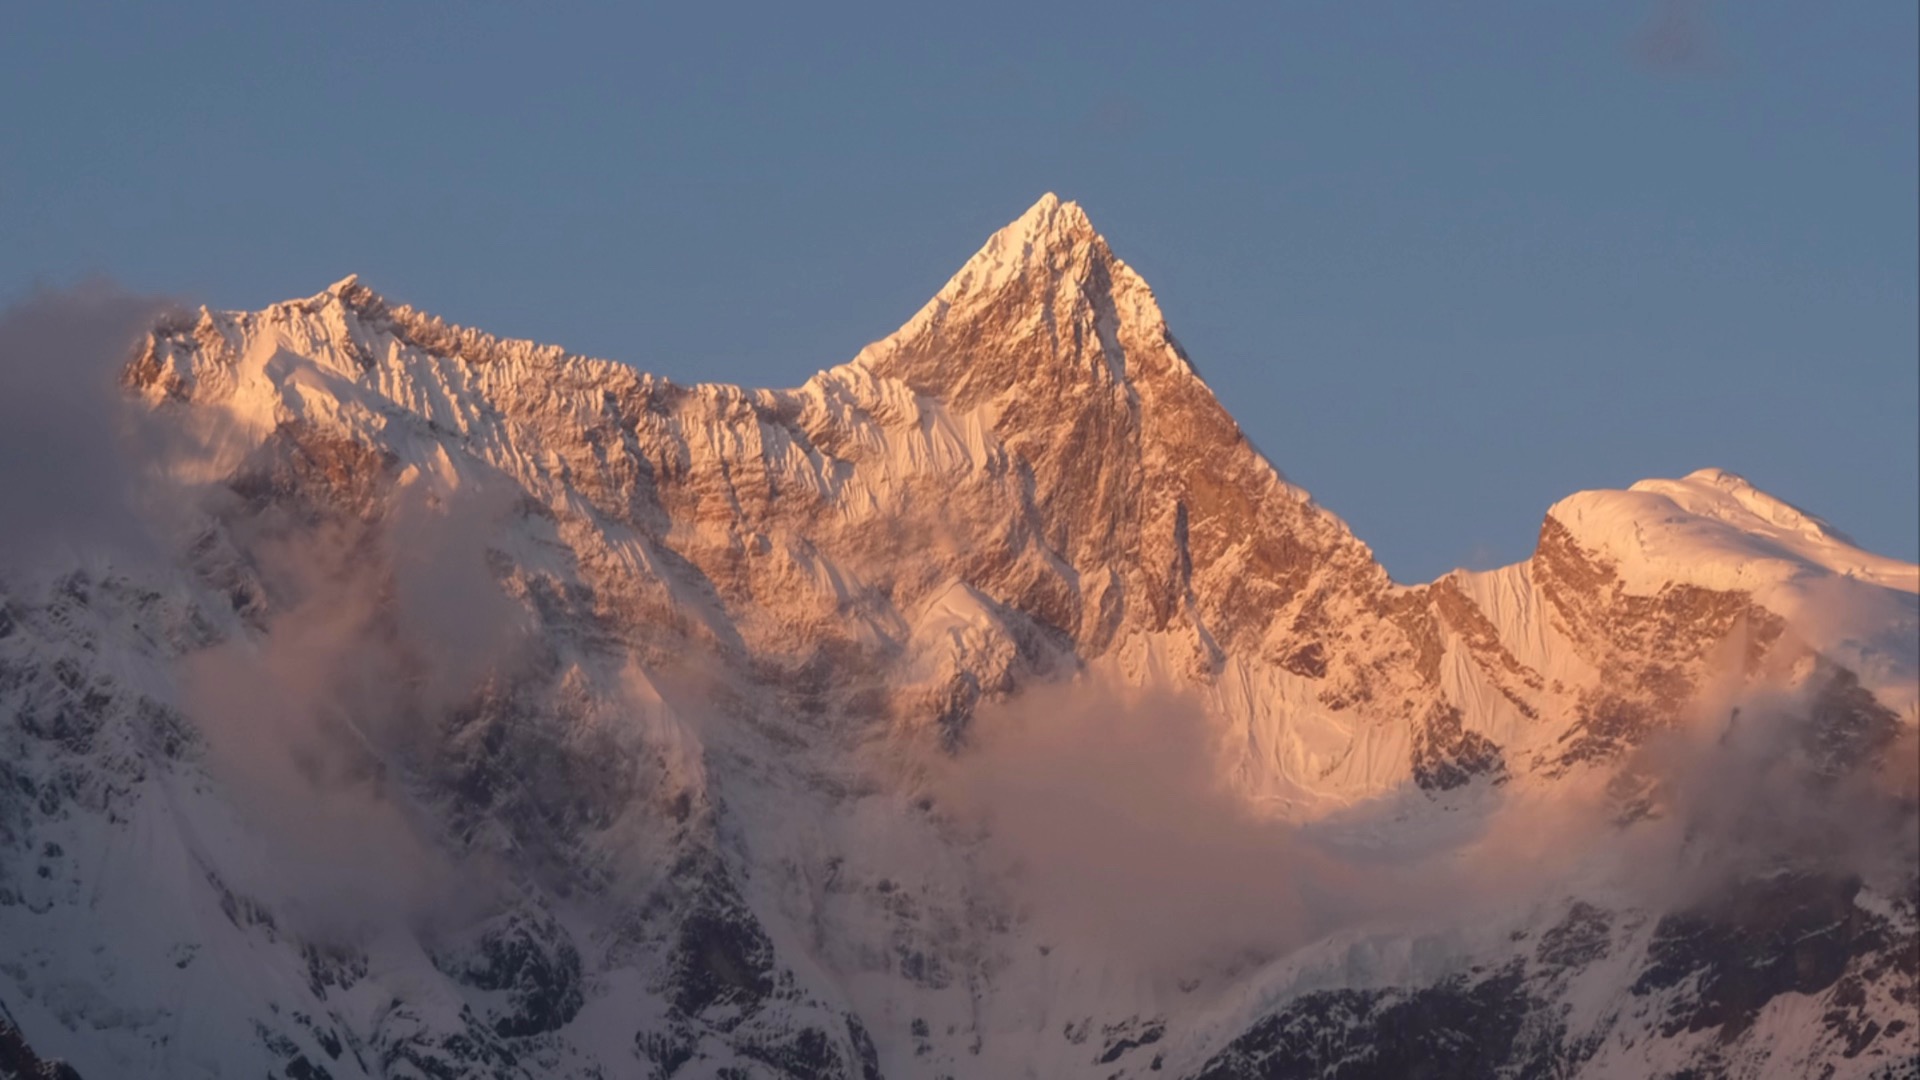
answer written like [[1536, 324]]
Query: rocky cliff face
[[502, 712]]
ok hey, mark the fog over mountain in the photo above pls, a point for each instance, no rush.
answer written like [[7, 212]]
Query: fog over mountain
[[381, 698]]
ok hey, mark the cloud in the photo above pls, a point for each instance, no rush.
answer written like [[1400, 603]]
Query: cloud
[[316, 724], [1104, 805], [1815, 776], [372, 630], [71, 480], [1103, 810]]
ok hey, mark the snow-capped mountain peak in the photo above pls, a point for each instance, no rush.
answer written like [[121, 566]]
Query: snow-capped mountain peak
[[1040, 244], [683, 703], [1045, 290], [1715, 529]]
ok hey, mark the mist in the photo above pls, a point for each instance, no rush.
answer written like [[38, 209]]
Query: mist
[[316, 723], [1104, 804], [315, 706], [1815, 776], [1103, 811], [70, 438]]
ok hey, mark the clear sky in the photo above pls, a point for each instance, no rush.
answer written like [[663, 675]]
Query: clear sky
[[1445, 262]]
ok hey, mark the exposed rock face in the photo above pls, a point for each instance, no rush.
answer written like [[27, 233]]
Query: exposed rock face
[[668, 803], [19, 1062], [1455, 1030]]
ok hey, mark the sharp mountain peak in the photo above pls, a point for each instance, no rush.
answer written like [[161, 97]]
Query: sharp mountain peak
[[1044, 296]]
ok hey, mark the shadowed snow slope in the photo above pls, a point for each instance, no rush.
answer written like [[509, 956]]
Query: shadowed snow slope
[[985, 706]]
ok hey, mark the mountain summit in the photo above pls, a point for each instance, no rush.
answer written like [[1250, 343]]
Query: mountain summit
[[986, 706], [1054, 302]]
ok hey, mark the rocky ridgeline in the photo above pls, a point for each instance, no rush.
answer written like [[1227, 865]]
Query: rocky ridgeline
[[669, 803]]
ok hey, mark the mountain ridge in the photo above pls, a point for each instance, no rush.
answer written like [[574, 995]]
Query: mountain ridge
[[692, 694], [1109, 445]]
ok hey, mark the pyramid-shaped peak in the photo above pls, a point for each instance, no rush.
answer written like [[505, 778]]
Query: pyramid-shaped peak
[[1040, 244], [1045, 298], [1051, 217]]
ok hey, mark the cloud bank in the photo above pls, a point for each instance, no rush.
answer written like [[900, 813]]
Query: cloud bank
[[1103, 811], [69, 438]]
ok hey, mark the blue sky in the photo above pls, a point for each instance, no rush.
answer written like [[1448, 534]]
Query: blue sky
[[1445, 262]]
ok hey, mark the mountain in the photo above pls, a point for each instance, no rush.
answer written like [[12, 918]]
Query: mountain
[[986, 706]]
